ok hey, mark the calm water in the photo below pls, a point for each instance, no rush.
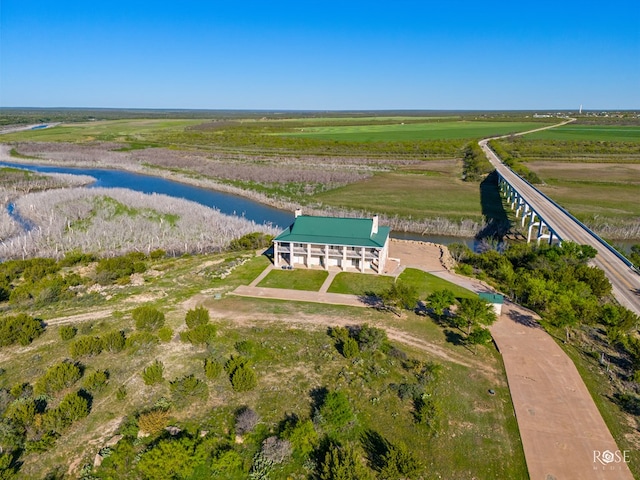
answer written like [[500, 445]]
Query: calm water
[[225, 202]]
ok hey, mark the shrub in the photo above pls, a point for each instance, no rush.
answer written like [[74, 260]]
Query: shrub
[[21, 329], [336, 410], [140, 341], [241, 375], [148, 318], [197, 316], [67, 332], [350, 348], [153, 373], [343, 463], [95, 381], [58, 377], [21, 411], [200, 335], [246, 420], [302, 436], [73, 407], [370, 339], [243, 379], [398, 463], [188, 386], [276, 450], [157, 254], [427, 412], [246, 347], [165, 334], [251, 241], [86, 346], [76, 257], [110, 270], [121, 394], [153, 421], [114, 341], [212, 368]]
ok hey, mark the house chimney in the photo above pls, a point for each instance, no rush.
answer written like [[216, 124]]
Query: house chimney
[[298, 212], [374, 226]]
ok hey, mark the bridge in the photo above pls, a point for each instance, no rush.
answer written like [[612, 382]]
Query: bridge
[[552, 223]]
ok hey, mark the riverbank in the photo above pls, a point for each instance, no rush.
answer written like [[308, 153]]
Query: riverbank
[[112, 159]]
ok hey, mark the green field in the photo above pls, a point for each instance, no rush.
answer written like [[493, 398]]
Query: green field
[[407, 132], [603, 133]]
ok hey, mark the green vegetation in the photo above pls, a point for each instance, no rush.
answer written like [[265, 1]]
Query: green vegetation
[[408, 132], [358, 284], [300, 279], [278, 369], [600, 133]]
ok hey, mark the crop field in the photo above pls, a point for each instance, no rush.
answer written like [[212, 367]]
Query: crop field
[[402, 132], [601, 133]]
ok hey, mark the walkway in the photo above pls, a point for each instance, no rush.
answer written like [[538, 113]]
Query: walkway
[[559, 423]]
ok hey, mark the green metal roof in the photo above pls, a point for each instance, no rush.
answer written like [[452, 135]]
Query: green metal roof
[[492, 297], [354, 232]]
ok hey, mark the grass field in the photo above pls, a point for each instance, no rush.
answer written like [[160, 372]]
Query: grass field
[[603, 133], [416, 195], [299, 279], [403, 132]]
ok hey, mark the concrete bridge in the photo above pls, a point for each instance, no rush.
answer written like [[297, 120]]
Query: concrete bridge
[[551, 222]]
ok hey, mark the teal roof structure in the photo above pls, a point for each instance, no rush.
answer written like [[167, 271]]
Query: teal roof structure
[[492, 297], [351, 232]]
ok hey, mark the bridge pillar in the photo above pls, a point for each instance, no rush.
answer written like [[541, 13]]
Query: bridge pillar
[[533, 225], [527, 210]]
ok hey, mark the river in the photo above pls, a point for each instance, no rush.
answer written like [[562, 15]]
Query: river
[[227, 203]]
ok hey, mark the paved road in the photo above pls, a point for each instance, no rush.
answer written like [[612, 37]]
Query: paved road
[[625, 282]]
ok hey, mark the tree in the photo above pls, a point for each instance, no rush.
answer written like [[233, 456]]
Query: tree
[[441, 300], [335, 410], [399, 296], [479, 336], [475, 311], [343, 463]]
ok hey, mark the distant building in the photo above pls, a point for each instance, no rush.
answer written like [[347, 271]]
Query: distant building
[[358, 244]]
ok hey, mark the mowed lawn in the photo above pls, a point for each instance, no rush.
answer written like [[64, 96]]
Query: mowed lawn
[[423, 282], [410, 195], [399, 131], [299, 279], [605, 133]]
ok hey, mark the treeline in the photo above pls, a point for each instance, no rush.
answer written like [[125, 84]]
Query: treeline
[[475, 163], [524, 148], [557, 282], [512, 160]]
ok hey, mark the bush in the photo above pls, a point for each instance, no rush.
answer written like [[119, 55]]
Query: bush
[[96, 381], [336, 410], [152, 375], [343, 463], [21, 329], [350, 348], [241, 375], [251, 241], [86, 346], [302, 436], [148, 318], [22, 412], [212, 368], [197, 316], [153, 421], [200, 335], [370, 339], [121, 394], [427, 412], [188, 386], [110, 270], [67, 332], [141, 341], [276, 450], [165, 334], [244, 379], [58, 377], [73, 407], [399, 463], [114, 341], [246, 420], [157, 254]]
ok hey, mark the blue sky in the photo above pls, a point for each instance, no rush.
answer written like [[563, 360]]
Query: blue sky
[[321, 55]]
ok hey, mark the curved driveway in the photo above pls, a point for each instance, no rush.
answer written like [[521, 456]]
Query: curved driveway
[[625, 281]]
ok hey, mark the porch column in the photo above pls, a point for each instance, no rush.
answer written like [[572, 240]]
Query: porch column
[[308, 255], [344, 258], [276, 260], [362, 260]]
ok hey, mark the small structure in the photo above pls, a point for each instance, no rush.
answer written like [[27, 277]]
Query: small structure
[[495, 299], [347, 243]]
